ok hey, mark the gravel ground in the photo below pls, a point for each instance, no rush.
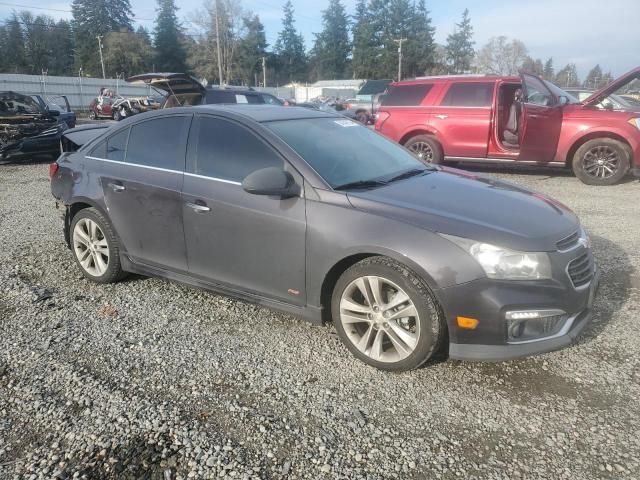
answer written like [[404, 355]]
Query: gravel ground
[[152, 379]]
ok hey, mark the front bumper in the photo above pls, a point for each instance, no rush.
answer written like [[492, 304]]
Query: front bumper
[[488, 301]]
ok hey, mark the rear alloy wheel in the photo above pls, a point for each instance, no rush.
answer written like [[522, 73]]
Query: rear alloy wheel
[[95, 247], [426, 148], [601, 161], [386, 316]]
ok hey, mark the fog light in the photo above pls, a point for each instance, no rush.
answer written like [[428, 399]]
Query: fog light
[[527, 325]]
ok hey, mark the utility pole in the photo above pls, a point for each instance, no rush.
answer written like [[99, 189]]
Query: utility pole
[[399, 42], [264, 72], [218, 45], [99, 37]]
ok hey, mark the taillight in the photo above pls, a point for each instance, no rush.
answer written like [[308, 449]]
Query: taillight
[[381, 117], [53, 168]]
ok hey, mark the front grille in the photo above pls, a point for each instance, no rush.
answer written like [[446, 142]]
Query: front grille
[[569, 242], [581, 269]]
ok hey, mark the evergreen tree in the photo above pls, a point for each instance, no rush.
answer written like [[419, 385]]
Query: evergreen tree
[[332, 46], [460, 46], [127, 53], [595, 78], [290, 49], [533, 66], [61, 47], [92, 18], [13, 53], [548, 72], [36, 45], [419, 50], [568, 76], [366, 44], [251, 49], [170, 52]]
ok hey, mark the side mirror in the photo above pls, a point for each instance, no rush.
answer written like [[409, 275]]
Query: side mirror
[[563, 99], [53, 113], [271, 181]]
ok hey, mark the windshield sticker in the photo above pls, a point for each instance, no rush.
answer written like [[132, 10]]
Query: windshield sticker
[[346, 123]]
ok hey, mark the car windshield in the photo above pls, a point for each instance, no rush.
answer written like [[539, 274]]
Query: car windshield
[[15, 104], [346, 154], [558, 92]]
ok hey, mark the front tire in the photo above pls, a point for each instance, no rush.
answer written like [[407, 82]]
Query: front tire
[[386, 315], [601, 161], [426, 148], [95, 247]]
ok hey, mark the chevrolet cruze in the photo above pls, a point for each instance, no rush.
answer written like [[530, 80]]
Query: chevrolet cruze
[[312, 214]]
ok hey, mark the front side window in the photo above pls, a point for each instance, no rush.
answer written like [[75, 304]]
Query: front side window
[[159, 142], [469, 94], [271, 100], [405, 95], [344, 152], [227, 151], [537, 92]]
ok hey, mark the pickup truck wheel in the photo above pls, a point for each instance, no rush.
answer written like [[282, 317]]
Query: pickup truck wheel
[[426, 148], [601, 161], [95, 247], [386, 315]]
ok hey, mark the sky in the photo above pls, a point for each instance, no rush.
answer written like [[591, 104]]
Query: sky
[[583, 32]]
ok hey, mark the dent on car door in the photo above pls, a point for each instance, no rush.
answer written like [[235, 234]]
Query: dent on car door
[[252, 243], [141, 180], [542, 121]]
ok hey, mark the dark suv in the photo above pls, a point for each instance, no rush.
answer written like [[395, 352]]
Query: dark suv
[[181, 90], [315, 214], [514, 120]]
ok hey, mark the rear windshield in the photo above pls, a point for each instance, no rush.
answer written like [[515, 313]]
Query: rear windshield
[[405, 95]]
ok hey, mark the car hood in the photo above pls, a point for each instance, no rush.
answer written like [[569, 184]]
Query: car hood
[[472, 206], [612, 87], [168, 82]]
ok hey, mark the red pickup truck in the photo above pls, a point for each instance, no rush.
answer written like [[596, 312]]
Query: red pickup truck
[[518, 120]]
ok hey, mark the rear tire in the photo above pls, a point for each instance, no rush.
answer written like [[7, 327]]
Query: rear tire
[[95, 247], [397, 325], [426, 148], [601, 161]]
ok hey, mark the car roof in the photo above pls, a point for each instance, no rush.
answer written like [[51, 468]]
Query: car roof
[[457, 78]]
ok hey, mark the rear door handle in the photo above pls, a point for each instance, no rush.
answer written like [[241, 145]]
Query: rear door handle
[[441, 117], [116, 187], [198, 208]]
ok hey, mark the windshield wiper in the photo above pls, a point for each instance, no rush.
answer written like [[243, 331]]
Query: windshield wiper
[[364, 184], [409, 173]]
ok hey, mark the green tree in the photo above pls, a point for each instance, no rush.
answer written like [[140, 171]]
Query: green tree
[[289, 48], [170, 52], [330, 54], [251, 49], [548, 71], [366, 44], [595, 78], [13, 51], [568, 76], [533, 66], [460, 46], [92, 18], [127, 53], [61, 47], [419, 51], [36, 41]]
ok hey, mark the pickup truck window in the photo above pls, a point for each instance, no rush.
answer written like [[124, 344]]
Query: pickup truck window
[[469, 94]]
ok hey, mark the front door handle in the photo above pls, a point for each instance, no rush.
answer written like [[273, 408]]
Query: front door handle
[[116, 187], [198, 208], [441, 117]]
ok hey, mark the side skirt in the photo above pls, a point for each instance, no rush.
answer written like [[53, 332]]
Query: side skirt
[[310, 313], [505, 161]]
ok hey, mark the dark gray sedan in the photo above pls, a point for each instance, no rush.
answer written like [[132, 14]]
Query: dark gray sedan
[[311, 213]]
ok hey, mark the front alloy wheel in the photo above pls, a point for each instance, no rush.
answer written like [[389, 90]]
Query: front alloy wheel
[[386, 315], [601, 161]]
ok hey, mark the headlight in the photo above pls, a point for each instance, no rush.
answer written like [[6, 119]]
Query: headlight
[[503, 263], [635, 122]]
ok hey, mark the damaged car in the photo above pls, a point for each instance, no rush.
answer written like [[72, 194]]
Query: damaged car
[[27, 129]]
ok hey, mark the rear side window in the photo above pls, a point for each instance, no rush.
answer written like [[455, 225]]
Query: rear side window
[[220, 96], [112, 148], [468, 94], [159, 143], [224, 150], [405, 95]]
